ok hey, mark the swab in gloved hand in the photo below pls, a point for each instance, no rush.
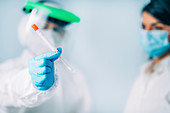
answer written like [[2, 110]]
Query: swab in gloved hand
[[41, 35]]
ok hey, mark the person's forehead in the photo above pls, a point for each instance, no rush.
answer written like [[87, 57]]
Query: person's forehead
[[52, 24], [148, 18]]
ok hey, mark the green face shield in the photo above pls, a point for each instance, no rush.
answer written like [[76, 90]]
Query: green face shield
[[53, 12], [48, 16], [50, 20]]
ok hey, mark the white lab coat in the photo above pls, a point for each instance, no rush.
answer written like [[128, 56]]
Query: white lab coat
[[151, 92], [69, 94]]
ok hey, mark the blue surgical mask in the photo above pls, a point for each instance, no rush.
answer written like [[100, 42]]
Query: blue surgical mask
[[155, 42]]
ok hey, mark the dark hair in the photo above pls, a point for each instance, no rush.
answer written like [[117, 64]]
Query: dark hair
[[159, 9], [58, 22]]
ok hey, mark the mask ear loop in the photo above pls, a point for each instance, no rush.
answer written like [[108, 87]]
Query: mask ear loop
[[169, 32], [168, 35]]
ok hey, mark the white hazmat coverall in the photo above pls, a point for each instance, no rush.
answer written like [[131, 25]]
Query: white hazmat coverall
[[69, 94]]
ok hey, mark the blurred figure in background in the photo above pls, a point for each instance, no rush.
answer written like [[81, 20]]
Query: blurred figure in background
[[151, 91], [33, 83]]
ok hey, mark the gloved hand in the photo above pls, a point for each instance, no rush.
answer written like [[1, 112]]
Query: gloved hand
[[41, 69]]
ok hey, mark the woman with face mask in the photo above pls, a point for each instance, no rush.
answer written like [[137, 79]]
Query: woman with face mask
[[151, 91]]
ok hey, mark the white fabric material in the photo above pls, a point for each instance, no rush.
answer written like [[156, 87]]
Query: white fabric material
[[18, 95], [69, 94], [151, 92]]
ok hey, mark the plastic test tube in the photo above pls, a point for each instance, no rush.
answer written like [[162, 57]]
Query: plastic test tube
[[41, 35]]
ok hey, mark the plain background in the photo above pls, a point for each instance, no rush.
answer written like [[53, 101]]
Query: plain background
[[105, 46]]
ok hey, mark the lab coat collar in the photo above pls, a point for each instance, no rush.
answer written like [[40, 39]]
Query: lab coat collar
[[158, 68], [164, 64]]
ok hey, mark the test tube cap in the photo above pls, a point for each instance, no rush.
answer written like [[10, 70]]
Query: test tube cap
[[34, 26]]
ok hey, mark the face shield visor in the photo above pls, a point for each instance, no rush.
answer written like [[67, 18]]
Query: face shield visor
[[51, 24]]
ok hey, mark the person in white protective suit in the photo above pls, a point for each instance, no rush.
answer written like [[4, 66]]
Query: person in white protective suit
[[37, 81], [151, 91]]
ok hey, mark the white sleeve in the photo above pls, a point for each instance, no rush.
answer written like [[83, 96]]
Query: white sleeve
[[18, 90], [84, 103]]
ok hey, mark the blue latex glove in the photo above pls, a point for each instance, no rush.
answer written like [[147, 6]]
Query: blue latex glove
[[41, 69]]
